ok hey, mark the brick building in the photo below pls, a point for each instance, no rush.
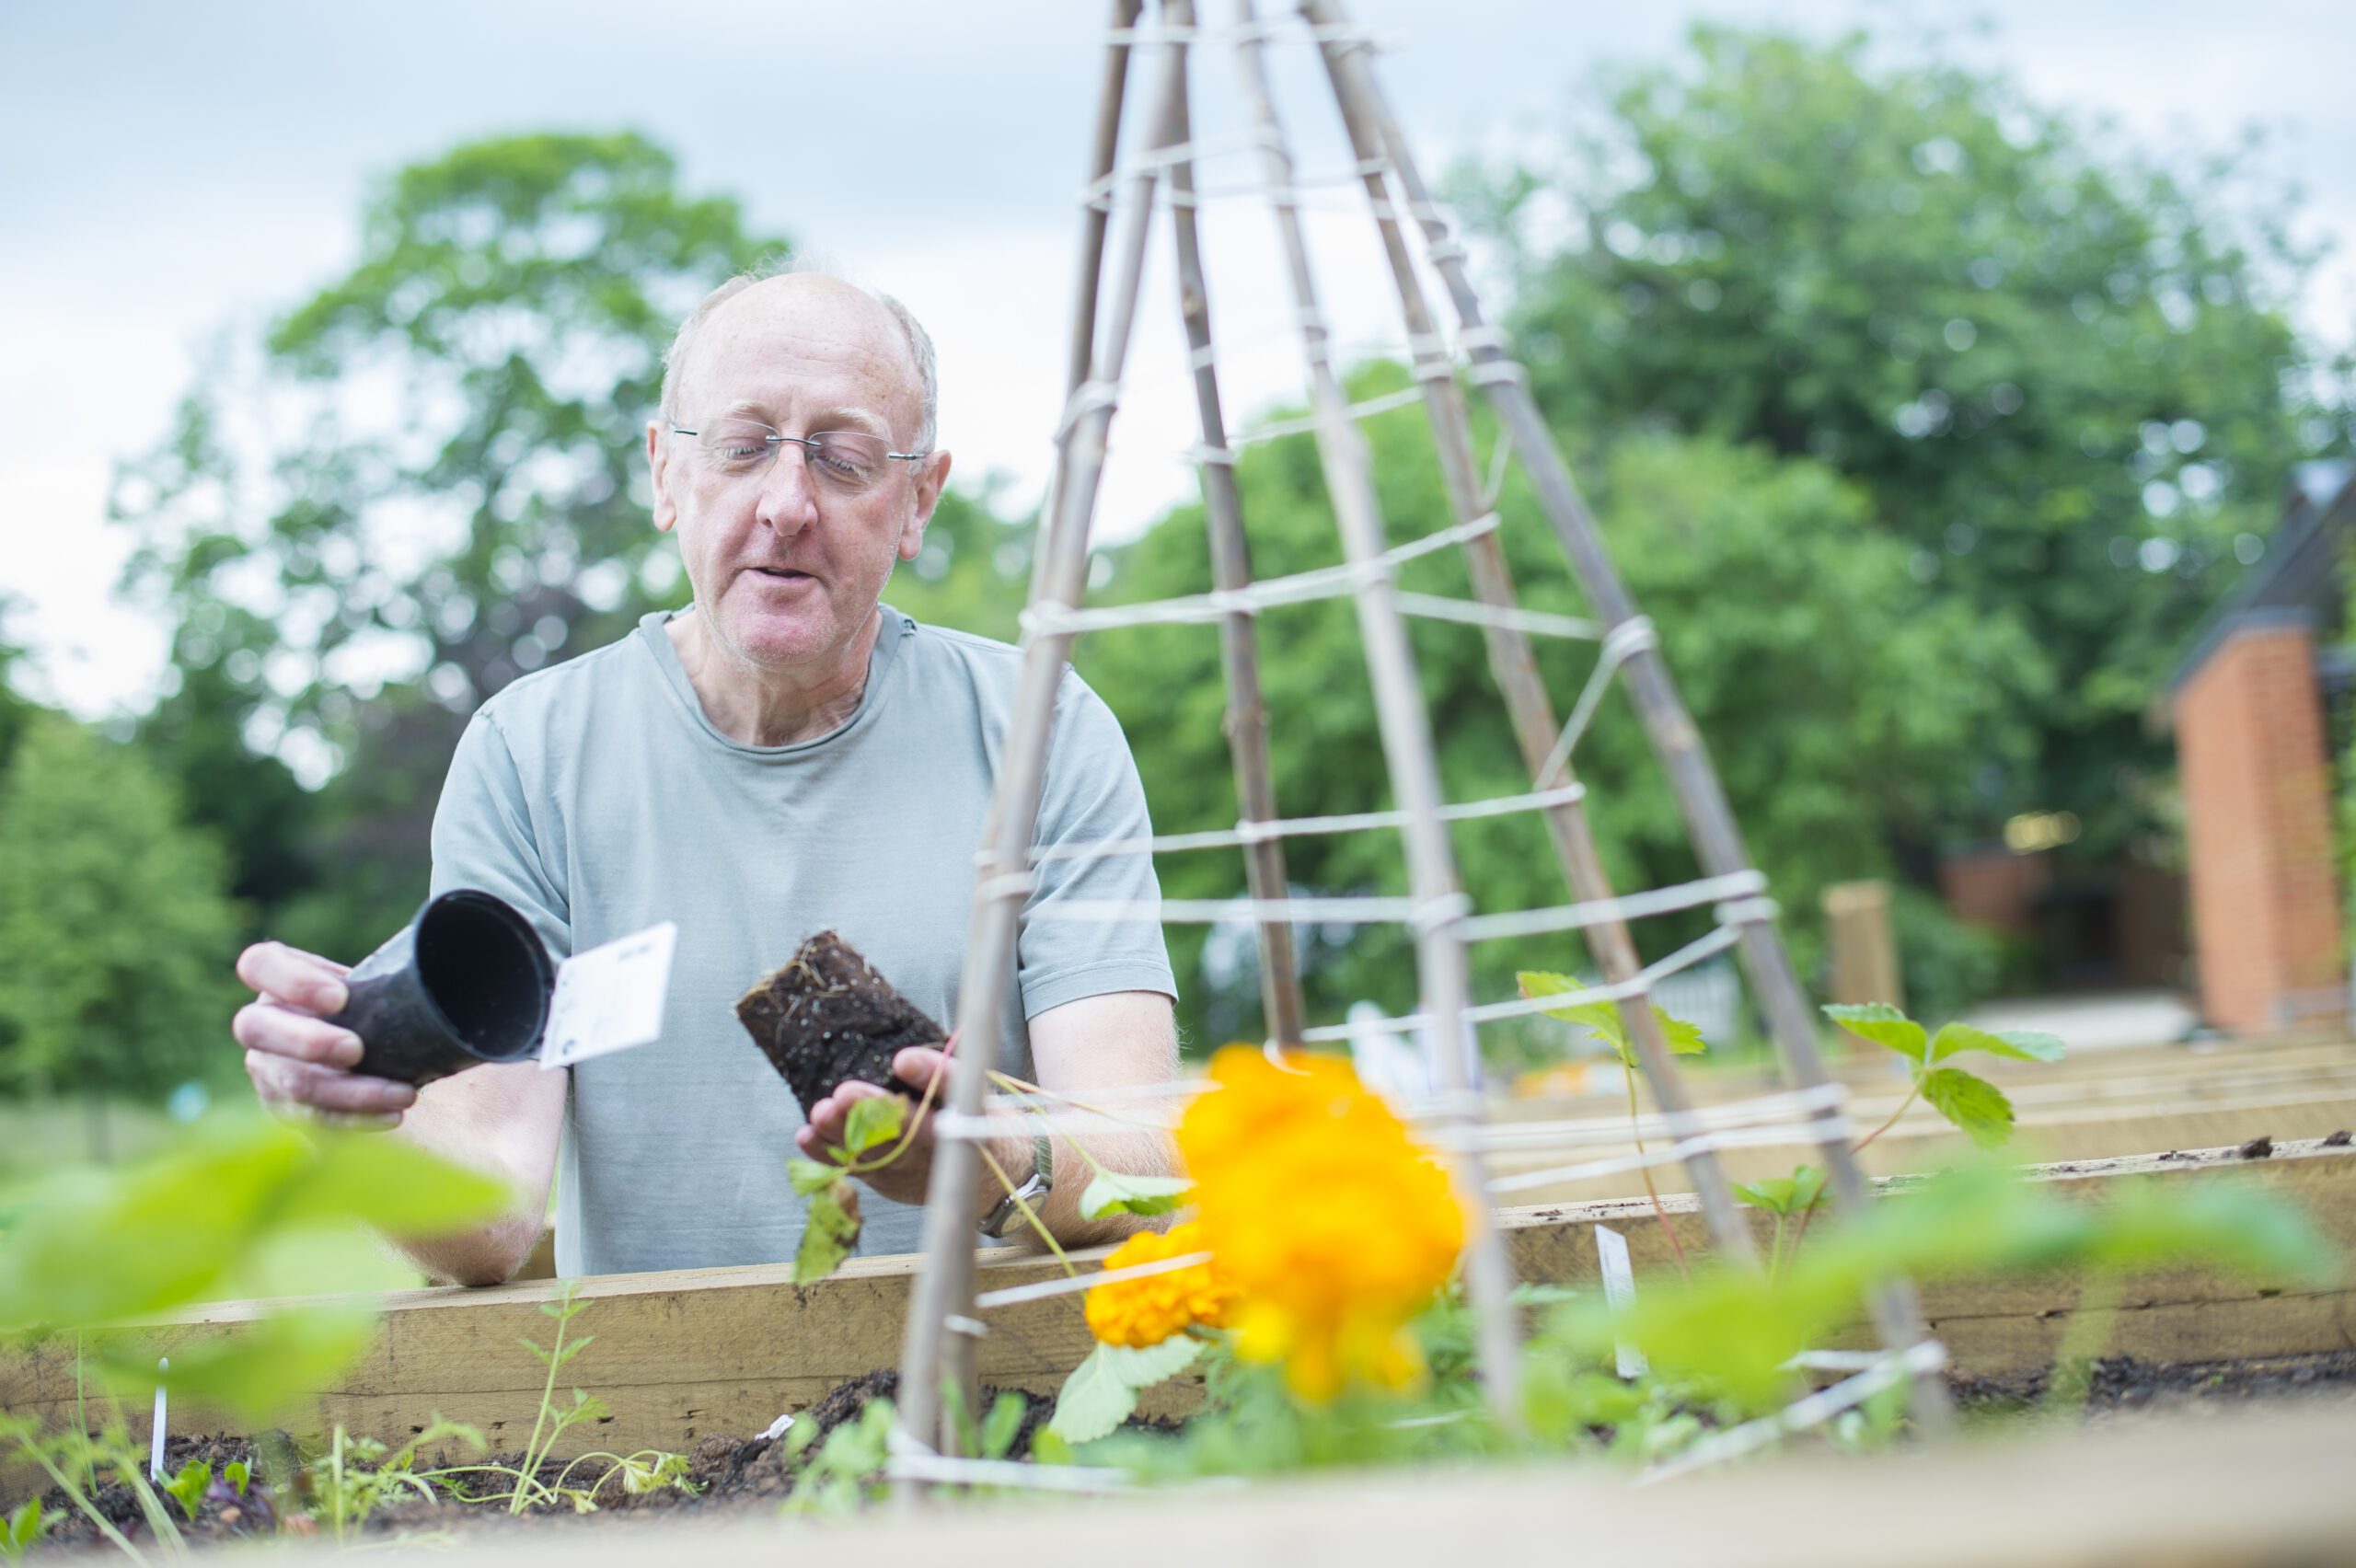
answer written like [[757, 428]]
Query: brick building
[[2253, 707]]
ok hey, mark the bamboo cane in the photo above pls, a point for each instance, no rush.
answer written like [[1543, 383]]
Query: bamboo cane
[[1407, 747], [1717, 842], [945, 1284], [1247, 716], [1516, 668], [1095, 223]]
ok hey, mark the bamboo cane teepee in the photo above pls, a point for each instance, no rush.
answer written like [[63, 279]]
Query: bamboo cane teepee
[[1455, 352]]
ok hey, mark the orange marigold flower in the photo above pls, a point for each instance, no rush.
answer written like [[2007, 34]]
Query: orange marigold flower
[[1333, 1226], [1139, 1312]]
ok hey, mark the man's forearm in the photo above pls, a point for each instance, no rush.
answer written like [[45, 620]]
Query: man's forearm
[[501, 1136]]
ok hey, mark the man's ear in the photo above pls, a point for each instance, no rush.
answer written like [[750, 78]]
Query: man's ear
[[658, 463], [932, 476]]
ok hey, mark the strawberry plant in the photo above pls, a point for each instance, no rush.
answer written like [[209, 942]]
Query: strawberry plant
[[1602, 1020], [1970, 1102]]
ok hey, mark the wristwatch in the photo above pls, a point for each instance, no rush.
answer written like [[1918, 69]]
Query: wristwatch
[[1034, 1188]]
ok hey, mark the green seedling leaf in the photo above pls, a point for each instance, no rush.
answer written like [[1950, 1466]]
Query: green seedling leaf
[[877, 1120], [2019, 1044], [574, 1347], [1048, 1448], [1102, 1390], [188, 1488], [1882, 1025], [239, 1474], [829, 1232], [1003, 1425], [811, 1176], [1796, 1193], [1116, 1192], [1602, 1018], [22, 1527], [1972, 1103]]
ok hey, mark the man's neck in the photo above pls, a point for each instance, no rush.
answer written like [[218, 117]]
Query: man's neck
[[756, 706]]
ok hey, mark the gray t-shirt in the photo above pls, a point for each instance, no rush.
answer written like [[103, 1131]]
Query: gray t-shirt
[[598, 798]]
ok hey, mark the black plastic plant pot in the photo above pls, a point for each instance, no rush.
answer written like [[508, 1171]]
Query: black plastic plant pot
[[467, 981]]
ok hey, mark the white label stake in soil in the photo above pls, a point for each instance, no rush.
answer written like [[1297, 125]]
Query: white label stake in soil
[[1620, 1290], [610, 998]]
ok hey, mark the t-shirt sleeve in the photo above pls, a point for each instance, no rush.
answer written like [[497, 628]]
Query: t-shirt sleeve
[[1091, 793], [486, 836]]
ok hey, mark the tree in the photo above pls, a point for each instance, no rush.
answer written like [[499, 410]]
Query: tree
[[1845, 703], [2063, 377], [116, 929], [423, 483]]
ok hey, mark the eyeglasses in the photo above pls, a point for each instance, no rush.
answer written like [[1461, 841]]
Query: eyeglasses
[[844, 460]]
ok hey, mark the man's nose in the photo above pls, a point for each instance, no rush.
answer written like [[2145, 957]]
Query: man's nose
[[789, 501]]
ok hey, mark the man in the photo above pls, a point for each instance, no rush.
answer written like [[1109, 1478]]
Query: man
[[785, 755]]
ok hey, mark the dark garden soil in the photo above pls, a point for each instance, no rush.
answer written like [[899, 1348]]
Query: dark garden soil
[[826, 1017], [738, 1477]]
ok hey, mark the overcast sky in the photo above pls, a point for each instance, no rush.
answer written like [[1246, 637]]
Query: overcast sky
[[168, 171]]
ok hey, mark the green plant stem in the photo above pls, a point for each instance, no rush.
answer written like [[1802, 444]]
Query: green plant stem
[[1775, 1253], [2089, 1331], [1023, 1208], [547, 1394], [151, 1505], [73, 1495], [1801, 1234], [1676, 1248], [1911, 1095], [1014, 1084]]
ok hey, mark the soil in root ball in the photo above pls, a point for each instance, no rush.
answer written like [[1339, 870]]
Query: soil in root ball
[[826, 1017]]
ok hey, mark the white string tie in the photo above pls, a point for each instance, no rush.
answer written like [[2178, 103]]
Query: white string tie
[[1439, 914], [1085, 400], [1623, 641], [1497, 372], [1920, 1360], [1069, 1284], [1749, 911], [1008, 884]]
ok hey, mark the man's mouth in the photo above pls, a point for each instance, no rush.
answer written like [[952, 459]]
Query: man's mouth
[[781, 573]]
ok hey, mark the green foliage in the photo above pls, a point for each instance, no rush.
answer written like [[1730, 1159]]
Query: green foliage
[[21, 1530], [1844, 703], [1967, 1099], [1732, 1333], [88, 1248], [116, 933], [1116, 1192], [846, 1471], [2064, 378], [356, 1476], [82, 1250], [1102, 1390], [513, 295], [188, 1488]]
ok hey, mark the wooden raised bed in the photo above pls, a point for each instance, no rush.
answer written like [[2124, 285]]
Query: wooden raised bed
[[686, 1355], [2098, 1105]]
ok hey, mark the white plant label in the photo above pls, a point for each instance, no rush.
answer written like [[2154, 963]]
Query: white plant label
[[610, 998], [1620, 1290]]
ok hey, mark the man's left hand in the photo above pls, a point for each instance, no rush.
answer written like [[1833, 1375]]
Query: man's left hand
[[904, 1179]]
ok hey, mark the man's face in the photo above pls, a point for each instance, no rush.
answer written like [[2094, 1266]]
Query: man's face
[[786, 568]]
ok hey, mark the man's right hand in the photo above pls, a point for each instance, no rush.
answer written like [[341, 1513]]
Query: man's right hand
[[300, 1064]]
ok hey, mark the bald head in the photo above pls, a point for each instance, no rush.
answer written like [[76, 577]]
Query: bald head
[[800, 299]]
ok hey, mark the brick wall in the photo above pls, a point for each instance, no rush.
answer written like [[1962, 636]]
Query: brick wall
[[2258, 821]]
